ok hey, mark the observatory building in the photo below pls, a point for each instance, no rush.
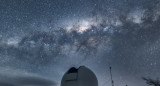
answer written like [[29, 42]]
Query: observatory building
[[79, 77]]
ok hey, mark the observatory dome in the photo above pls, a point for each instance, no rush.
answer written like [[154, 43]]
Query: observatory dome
[[79, 77]]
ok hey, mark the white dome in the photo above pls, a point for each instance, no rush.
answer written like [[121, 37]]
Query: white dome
[[79, 77]]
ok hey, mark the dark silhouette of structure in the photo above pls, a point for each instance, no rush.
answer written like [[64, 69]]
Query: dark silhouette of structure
[[79, 77], [112, 82]]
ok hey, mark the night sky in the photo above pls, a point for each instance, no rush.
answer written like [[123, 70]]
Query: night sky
[[44, 38]]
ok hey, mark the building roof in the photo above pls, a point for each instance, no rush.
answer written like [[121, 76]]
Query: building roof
[[81, 76]]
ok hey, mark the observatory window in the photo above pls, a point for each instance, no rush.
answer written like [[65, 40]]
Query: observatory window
[[71, 77], [72, 74], [73, 70]]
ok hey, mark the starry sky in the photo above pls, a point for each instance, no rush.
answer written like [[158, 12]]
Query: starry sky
[[44, 38]]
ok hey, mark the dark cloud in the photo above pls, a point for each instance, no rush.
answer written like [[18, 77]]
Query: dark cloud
[[25, 81]]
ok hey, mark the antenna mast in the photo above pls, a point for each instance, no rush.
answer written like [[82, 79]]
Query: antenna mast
[[112, 82]]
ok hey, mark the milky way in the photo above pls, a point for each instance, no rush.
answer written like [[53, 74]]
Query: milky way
[[44, 38]]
